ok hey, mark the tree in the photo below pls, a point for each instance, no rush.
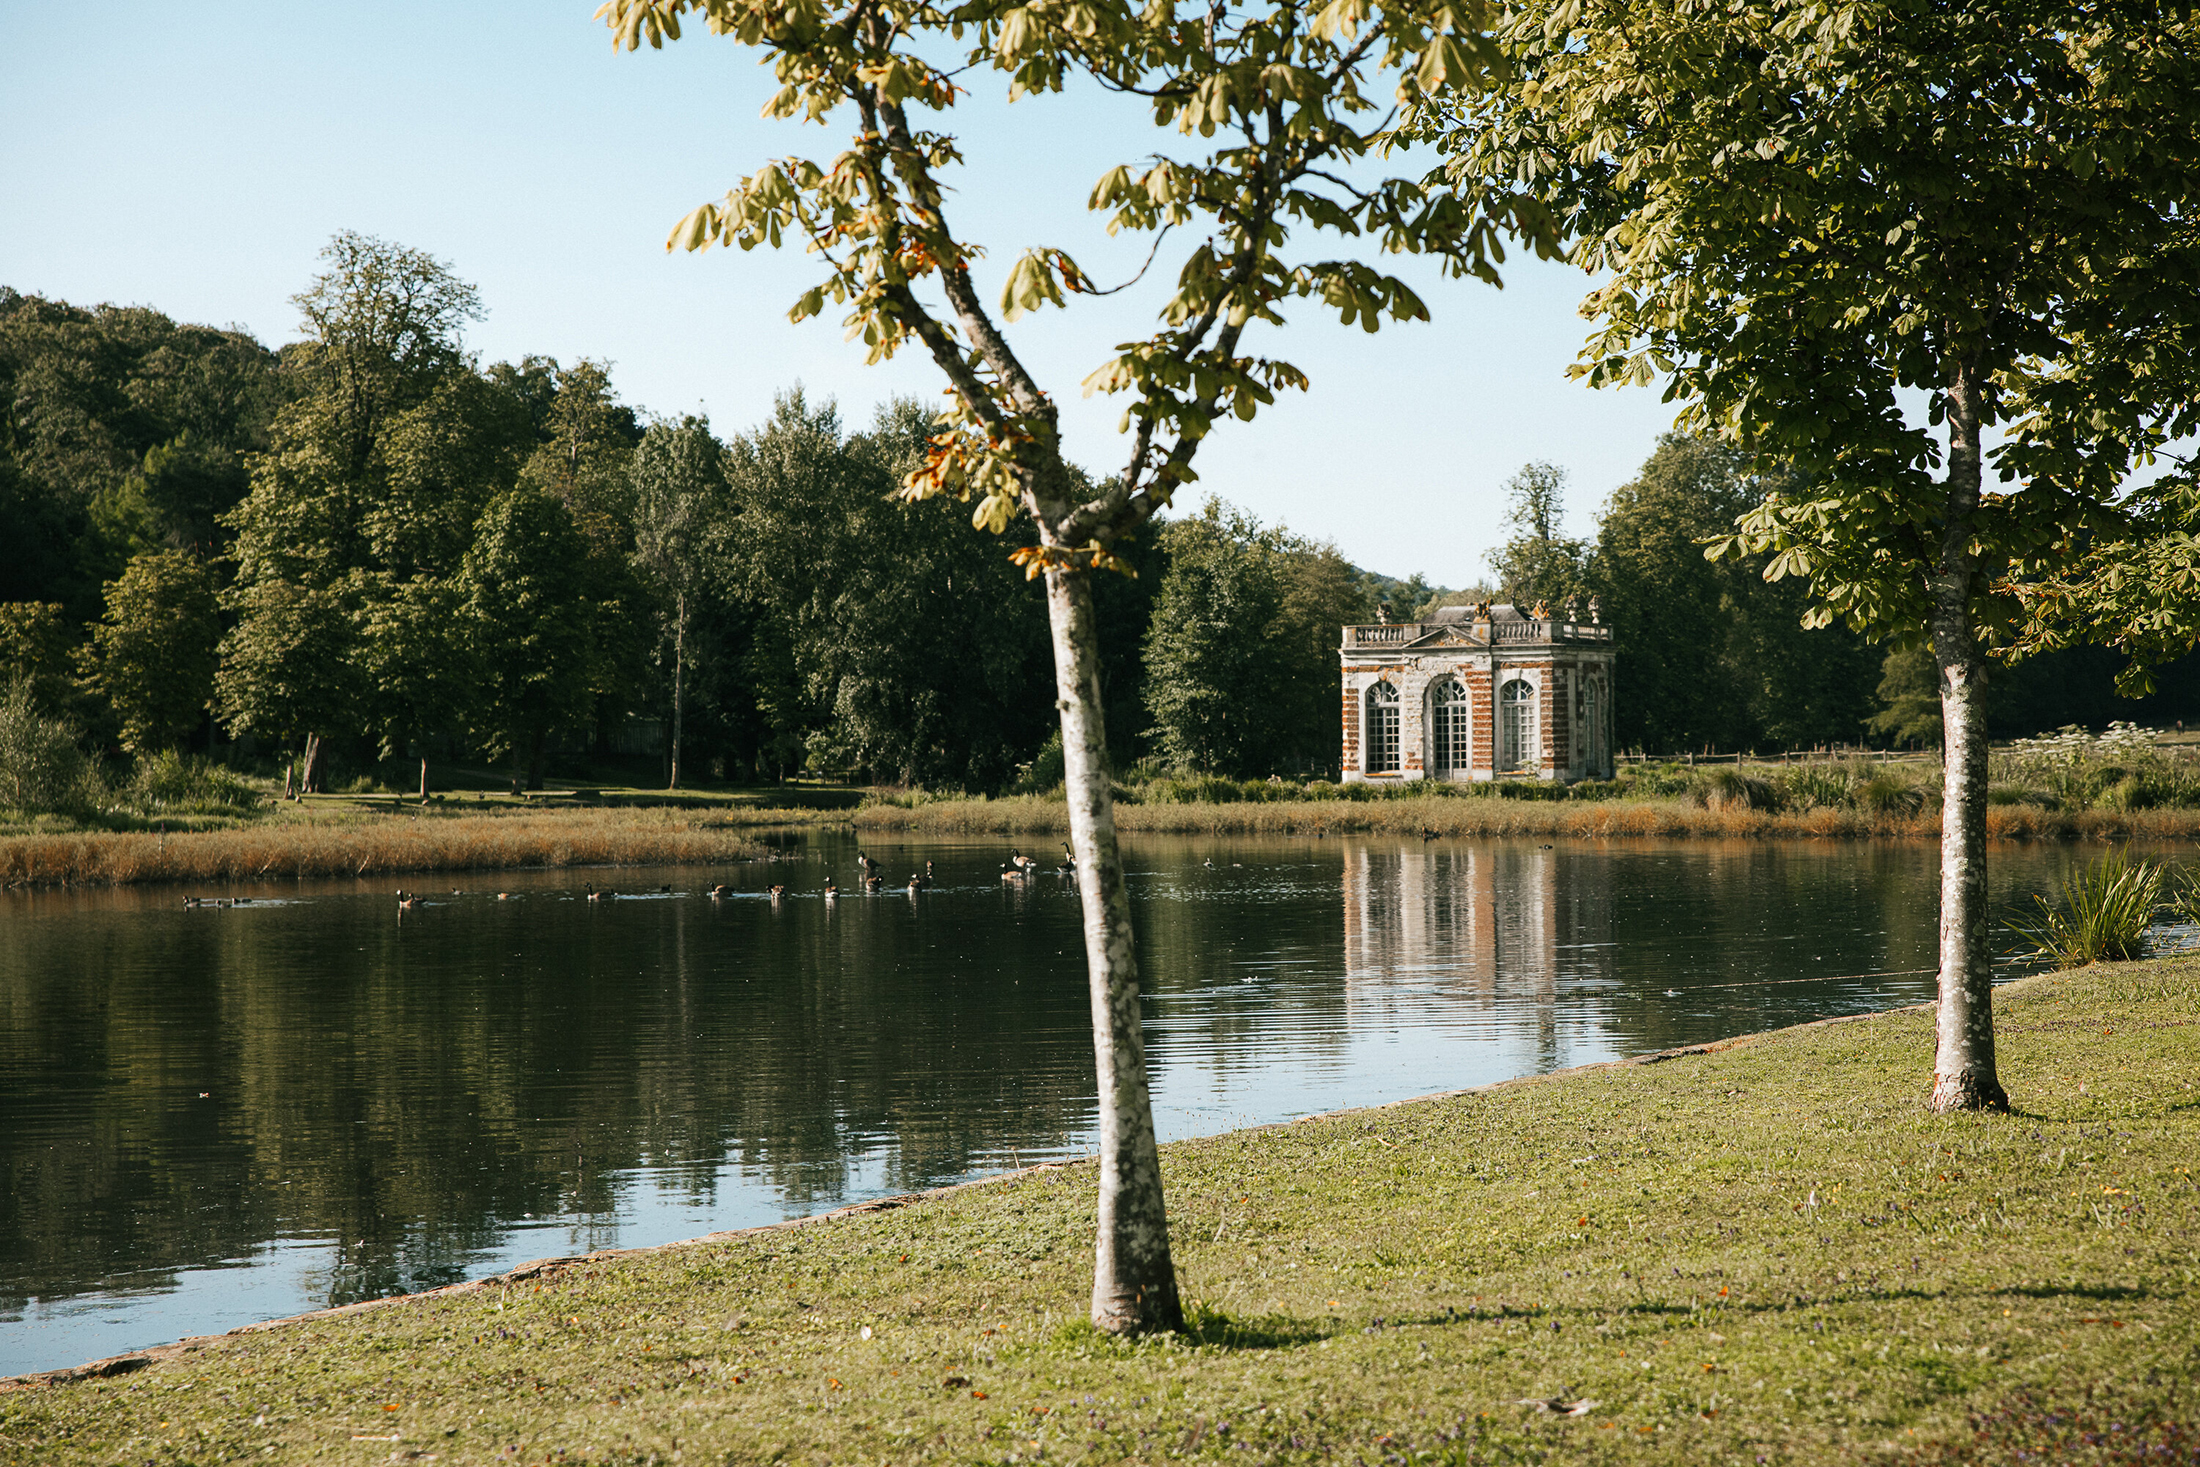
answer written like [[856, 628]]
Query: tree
[[1538, 566], [418, 672], [528, 590], [1712, 653], [896, 638], [34, 650], [680, 503], [1288, 91], [1804, 211], [152, 656], [1241, 652], [382, 325], [1214, 671], [372, 480]]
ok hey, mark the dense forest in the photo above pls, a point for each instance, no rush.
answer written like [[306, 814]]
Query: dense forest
[[372, 553]]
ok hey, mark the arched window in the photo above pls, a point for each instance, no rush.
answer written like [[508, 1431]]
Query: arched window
[[1381, 753], [1516, 725], [1450, 751], [1592, 721]]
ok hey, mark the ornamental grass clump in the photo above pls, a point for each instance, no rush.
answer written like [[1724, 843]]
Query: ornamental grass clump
[[2105, 912], [169, 783]]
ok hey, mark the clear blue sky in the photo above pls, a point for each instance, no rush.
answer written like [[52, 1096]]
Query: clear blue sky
[[196, 158]]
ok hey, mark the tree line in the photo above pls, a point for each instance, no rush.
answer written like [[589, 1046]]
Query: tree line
[[368, 545]]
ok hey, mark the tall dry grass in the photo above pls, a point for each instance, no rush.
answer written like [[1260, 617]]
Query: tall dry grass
[[1451, 816], [364, 846]]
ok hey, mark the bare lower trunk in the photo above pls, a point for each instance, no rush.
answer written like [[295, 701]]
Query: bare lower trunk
[[1963, 1067], [679, 669], [534, 759], [309, 776], [423, 779], [1133, 1276]]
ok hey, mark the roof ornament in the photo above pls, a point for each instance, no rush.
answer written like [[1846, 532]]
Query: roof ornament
[[1382, 612], [1482, 610], [1596, 610]]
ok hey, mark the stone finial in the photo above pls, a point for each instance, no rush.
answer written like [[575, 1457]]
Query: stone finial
[[1596, 611], [1382, 612], [1573, 609]]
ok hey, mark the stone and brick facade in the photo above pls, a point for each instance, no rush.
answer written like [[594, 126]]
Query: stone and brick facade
[[1477, 693]]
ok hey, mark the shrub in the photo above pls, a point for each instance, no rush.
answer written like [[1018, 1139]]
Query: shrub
[[1884, 792], [168, 783], [42, 770], [2106, 909], [1730, 789], [1808, 787]]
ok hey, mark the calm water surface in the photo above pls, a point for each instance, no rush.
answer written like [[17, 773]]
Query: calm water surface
[[209, 1117]]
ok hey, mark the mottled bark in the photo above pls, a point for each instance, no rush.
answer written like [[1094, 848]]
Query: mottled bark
[[1133, 1276], [423, 779], [309, 773], [1963, 1066]]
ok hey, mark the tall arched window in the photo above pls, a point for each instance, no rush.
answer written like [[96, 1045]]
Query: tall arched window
[[1450, 751], [1592, 722], [1516, 725], [1381, 753]]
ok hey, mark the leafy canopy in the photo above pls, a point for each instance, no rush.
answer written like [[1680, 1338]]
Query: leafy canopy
[[1286, 93], [1801, 210]]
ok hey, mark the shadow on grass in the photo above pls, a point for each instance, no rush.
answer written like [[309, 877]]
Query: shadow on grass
[[1212, 1327]]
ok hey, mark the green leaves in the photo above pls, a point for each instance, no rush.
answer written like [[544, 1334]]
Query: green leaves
[[1276, 91]]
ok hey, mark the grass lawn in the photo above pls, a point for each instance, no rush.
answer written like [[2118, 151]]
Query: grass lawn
[[1764, 1253]]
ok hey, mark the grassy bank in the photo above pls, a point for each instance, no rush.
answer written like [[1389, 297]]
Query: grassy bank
[[1449, 815], [1765, 1252], [353, 841]]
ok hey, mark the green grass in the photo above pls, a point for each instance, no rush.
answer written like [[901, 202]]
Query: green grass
[[1768, 1252]]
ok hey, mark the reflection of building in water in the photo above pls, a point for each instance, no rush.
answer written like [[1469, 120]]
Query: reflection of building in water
[[1490, 922]]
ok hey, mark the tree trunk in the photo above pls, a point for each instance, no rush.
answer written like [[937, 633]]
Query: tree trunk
[[1963, 1067], [309, 776], [534, 759], [679, 668], [423, 777], [1133, 1276]]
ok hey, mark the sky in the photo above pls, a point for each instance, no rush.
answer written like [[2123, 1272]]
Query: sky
[[196, 159]]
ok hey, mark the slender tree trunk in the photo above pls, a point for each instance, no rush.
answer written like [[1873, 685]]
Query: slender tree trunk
[[1963, 1067], [534, 759], [679, 670], [1133, 1276], [309, 776], [423, 777]]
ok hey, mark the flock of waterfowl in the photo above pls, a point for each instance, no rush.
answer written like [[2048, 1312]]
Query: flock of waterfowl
[[1018, 867]]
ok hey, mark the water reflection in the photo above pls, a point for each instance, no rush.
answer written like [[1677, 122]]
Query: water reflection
[[216, 1116]]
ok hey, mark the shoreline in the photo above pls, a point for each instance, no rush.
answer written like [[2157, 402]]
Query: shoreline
[[1763, 1246], [356, 843], [130, 1361]]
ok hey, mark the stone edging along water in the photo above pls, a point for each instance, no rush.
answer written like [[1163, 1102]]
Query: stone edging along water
[[136, 1360]]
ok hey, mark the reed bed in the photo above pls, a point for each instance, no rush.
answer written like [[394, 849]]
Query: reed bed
[[1601, 819], [367, 846]]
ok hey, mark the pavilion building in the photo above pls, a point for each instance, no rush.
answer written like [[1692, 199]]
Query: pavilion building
[[1477, 693]]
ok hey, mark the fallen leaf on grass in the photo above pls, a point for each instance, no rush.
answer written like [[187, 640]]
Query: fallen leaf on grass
[[1560, 1406]]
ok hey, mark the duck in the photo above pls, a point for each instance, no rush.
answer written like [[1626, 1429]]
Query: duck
[[1209, 863], [720, 892], [916, 882], [874, 883], [1428, 832], [504, 896], [1012, 873], [192, 901], [588, 888], [777, 892], [1069, 857], [866, 865], [407, 900], [928, 873], [831, 889], [1022, 862]]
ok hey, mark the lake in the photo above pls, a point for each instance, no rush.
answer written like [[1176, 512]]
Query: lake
[[214, 1116]]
